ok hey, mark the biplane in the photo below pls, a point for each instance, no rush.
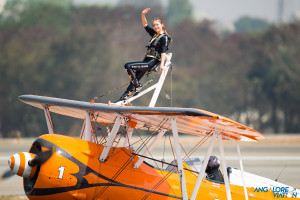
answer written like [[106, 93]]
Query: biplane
[[100, 165]]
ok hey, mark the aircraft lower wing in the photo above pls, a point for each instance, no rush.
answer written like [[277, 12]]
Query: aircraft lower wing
[[189, 120]]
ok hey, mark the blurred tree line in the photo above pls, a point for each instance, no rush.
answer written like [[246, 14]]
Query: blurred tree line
[[55, 48]]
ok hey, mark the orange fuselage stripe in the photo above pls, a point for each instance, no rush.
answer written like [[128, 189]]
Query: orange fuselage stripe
[[12, 163]]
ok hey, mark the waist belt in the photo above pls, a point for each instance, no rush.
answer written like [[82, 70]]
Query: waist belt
[[151, 52]]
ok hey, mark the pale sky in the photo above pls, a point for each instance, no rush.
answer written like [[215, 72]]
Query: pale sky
[[230, 10]]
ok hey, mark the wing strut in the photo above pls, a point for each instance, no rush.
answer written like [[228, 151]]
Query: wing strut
[[88, 127], [149, 149], [202, 171], [179, 159], [242, 169], [128, 137], [49, 120], [111, 138], [224, 168]]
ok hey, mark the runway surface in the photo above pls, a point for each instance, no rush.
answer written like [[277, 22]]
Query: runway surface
[[266, 159]]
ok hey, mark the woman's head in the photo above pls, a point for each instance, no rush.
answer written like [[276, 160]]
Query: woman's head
[[158, 25]]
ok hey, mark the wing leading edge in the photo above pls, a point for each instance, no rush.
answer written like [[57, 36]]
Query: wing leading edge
[[189, 120]]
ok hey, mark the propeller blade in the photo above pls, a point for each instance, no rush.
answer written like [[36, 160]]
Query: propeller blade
[[42, 157], [6, 174]]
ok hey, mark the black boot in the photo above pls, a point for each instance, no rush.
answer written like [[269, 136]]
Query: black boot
[[137, 85], [127, 93]]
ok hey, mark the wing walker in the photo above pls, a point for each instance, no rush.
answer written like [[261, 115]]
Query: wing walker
[[113, 156]]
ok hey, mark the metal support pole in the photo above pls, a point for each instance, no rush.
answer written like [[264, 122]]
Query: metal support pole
[[82, 130], [142, 93], [224, 168], [48, 120], [161, 80], [242, 169], [179, 159], [202, 171], [88, 128], [128, 137], [156, 86], [111, 138], [149, 149]]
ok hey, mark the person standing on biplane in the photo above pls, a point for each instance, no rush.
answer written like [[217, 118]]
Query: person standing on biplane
[[156, 55]]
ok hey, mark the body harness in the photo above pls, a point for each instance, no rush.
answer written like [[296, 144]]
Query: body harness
[[151, 48]]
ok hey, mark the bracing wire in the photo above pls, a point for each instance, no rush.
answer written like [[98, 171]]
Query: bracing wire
[[170, 97], [171, 92], [108, 92], [97, 127], [199, 144], [144, 143], [174, 165], [164, 177], [122, 168], [162, 164]]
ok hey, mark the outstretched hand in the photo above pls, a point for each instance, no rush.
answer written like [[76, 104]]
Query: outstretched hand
[[145, 11]]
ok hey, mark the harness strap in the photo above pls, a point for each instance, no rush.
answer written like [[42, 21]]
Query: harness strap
[[157, 39], [151, 52]]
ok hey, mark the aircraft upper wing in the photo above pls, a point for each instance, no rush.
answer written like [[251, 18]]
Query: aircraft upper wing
[[189, 120]]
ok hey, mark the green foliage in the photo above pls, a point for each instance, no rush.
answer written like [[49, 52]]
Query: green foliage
[[277, 75], [251, 25], [48, 15], [57, 49], [141, 3], [178, 10]]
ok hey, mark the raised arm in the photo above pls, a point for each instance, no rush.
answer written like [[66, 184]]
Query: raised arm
[[144, 20]]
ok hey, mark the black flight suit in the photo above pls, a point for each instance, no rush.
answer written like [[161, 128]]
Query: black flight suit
[[136, 70]]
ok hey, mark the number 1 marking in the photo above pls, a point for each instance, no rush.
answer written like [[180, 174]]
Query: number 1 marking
[[61, 170]]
